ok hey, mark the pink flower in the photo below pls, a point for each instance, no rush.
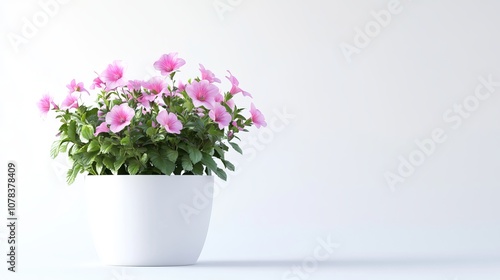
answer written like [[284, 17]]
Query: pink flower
[[219, 98], [219, 115], [97, 83], [113, 75], [103, 127], [157, 85], [203, 93], [134, 85], [230, 103], [100, 115], [257, 117], [181, 87], [200, 112], [73, 86], [44, 104], [169, 121], [208, 75], [168, 63], [235, 85], [145, 100], [71, 101], [235, 124], [119, 117]]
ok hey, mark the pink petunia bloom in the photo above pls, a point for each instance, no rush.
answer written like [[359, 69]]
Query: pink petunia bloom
[[168, 63], [219, 98], [73, 86], [71, 101], [219, 115], [208, 75], [257, 117], [119, 117], [231, 104], [134, 85], [55, 105], [44, 104], [181, 87], [157, 85], [102, 128], [96, 83], [169, 121], [113, 75], [145, 100], [203, 93], [235, 85]]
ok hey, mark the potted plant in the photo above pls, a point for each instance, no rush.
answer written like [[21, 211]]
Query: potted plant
[[146, 148]]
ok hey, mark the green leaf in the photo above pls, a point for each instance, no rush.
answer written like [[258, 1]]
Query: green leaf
[[236, 147], [134, 166], [198, 169], [120, 160], [63, 147], [98, 167], [195, 155], [109, 162], [72, 131], [71, 175], [158, 138], [144, 158], [106, 146], [54, 150], [186, 163], [220, 152], [209, 162], [160, 161], [81, 149], [93, 146], [83, 158], [125, 141], [151, 131], [172, 155], [220, 173], [228, 165]]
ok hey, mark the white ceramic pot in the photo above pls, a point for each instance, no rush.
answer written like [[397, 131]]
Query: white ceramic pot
[[149, 220]]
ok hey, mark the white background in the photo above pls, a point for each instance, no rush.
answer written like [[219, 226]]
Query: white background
[[319, 172]]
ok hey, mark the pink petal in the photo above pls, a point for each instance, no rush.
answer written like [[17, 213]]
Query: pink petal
[[71, 101], [44, 104], [102, 128], [168, 63], [257, 117], [119, 117], [113, 75]]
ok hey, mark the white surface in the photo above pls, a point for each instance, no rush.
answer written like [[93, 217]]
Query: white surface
[[148, 220], [318, 171]]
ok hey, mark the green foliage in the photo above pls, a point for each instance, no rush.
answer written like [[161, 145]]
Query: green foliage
[[144, 146]]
